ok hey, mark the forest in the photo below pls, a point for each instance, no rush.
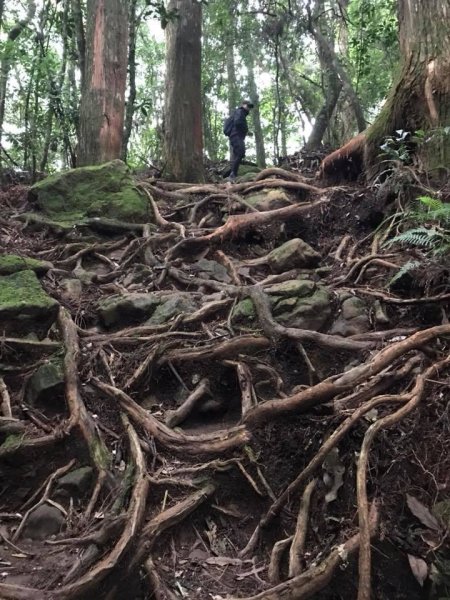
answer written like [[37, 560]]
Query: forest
[[224, 299]]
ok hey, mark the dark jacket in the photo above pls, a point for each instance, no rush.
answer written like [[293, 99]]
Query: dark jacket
[[240, 127]]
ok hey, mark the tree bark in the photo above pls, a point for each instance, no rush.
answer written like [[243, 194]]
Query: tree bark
[[183, 101], [420, 99], [102, 104], [329, 56], [256, 114], [129, 111]]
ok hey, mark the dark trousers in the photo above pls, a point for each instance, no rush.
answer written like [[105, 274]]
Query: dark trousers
[[238, 153]]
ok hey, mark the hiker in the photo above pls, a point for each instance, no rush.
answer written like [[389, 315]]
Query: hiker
[[236, 129]]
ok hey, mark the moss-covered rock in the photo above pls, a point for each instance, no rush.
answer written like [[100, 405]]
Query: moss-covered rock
[[307, 312], [24, 305], [353, 319], [292, 255], [297, 303], [269, 199], [99, 191], [126, 309], [11, 263], [47, 381], [177, 304]]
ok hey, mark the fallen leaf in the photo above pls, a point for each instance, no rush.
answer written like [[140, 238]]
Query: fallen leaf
[[419, 568], [421, 512]]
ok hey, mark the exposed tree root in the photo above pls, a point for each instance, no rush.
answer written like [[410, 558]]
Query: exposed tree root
[[180, 399], [298, 543], [414, 398], [316, 578]]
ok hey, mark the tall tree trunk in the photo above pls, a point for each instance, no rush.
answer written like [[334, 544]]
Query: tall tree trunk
[[6, 59], [256, 114], [323, 118], [420, 99], [183, 100], [329, 55], [77, 13], [129, 111], [102, 106]]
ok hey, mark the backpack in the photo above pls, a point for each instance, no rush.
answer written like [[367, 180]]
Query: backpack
[[228, 125]]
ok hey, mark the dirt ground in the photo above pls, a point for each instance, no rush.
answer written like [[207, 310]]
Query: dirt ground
[[169, 512]]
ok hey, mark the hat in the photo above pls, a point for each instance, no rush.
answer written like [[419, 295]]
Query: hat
[[248, 103]]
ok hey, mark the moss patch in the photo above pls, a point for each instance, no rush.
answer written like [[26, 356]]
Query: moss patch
[[24, 305], [11, 263], [99, 191]]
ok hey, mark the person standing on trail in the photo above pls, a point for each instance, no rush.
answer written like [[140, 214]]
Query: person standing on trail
[[236, 129]]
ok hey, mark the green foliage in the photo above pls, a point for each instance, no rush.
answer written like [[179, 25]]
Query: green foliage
[[428, 230]]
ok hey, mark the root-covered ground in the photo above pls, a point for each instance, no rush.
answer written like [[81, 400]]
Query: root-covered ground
[[189, 441]]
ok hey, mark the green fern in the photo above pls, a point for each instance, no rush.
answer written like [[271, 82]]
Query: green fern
[[406, 268], [431, 203], [420, 237]]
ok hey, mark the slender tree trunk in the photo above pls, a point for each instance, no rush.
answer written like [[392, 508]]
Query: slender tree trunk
[[77, 13], [183, 101], [256, 114], [129, 111], [333, 87], [6, 59], [102, 105]]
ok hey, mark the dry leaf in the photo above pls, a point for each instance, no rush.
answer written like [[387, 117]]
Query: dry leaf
[[420, 511], [419, 568]]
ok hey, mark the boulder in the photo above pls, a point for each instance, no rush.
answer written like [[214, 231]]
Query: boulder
[[104, 190], [292, 255], [24, 306], [297, 303], [127, 308], [43, 522], [47, 380], [269, 199], [11, 263], [177, 304]]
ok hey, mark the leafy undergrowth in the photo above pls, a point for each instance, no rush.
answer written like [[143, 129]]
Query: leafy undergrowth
[[269, 425]]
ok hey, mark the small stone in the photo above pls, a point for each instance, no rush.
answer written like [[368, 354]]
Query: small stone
[[127, 308], [381, 317], [353, 319], [174, 306], [75, 483], [47, 379], [293, 254], [71, 289], [353, 308], [43, 522], [269, 199], [211, 269]]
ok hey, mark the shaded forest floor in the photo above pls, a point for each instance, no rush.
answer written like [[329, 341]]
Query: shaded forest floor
[[231, 451]]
